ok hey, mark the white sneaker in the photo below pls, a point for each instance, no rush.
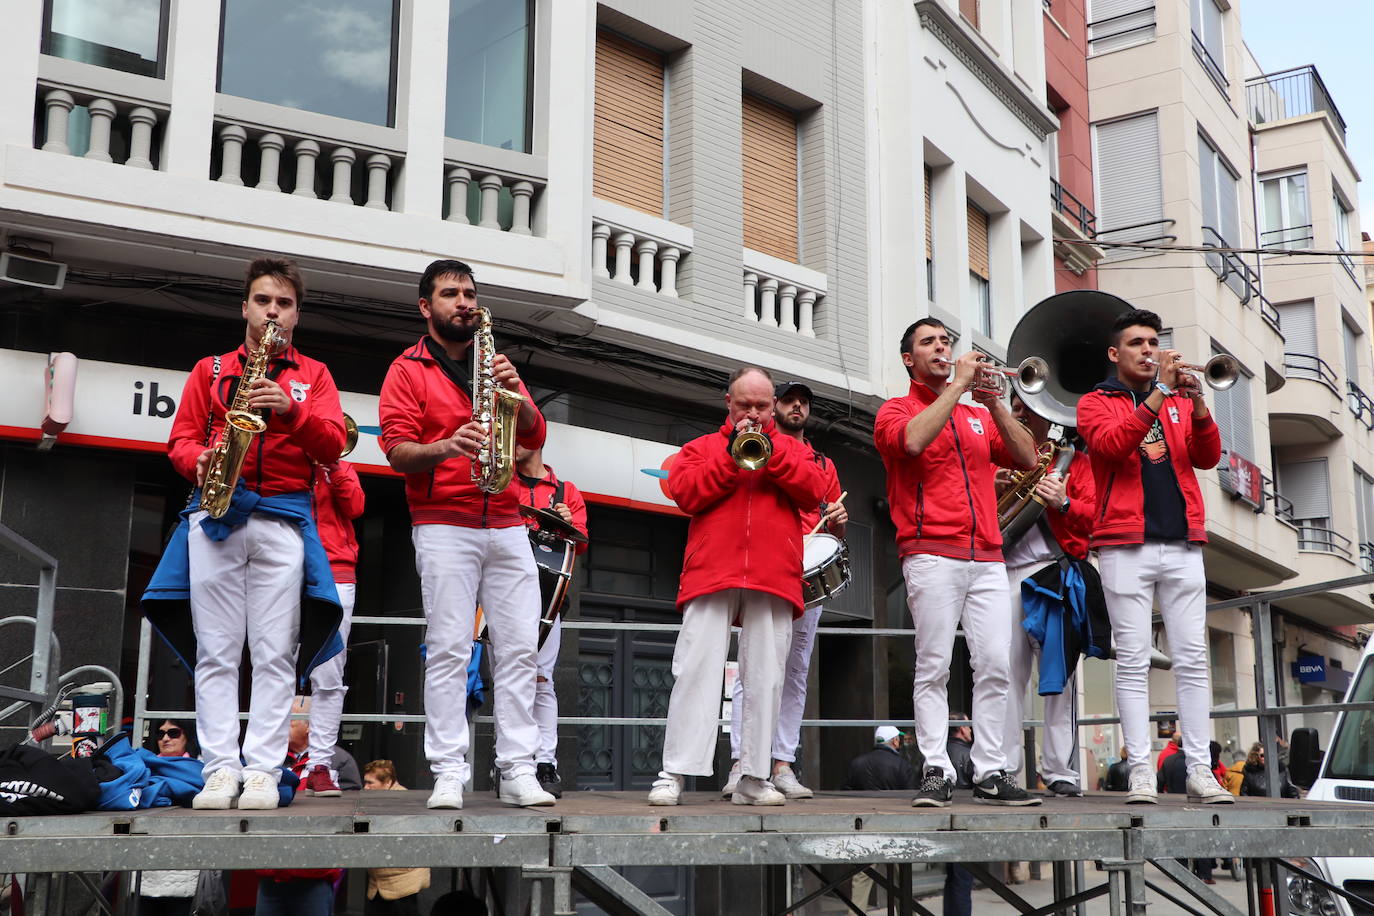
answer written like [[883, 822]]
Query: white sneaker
[[259, 791], [221, 788], [754, 791], [786, 782], [448, 792], [1142, 789], [524, 791], [731, 781], [667, 789], [1203, 787]]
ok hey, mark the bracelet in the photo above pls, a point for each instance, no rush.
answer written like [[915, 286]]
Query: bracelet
[[1167, 391]]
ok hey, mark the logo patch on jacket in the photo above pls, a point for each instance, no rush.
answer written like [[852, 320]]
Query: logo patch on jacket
[[976, 424], [298, 390], [1173, 414]]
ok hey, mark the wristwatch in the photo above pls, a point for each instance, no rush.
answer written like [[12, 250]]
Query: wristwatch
[[1164, 388], [1064, 506]]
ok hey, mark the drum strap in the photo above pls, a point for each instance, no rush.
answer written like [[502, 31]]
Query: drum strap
[[557, 494]]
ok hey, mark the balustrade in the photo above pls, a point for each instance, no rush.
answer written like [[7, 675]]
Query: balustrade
[[640, 260], [504, 201], [773, 300], [87, 124], [343, 173]]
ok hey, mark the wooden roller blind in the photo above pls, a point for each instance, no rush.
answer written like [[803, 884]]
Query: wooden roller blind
[[627, 139], [770, 178], [977, 242], [930, 248], [969, 10]]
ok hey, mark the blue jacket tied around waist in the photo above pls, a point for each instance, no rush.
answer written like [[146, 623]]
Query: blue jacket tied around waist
[[167, 600]]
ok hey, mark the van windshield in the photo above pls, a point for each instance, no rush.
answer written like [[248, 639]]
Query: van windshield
[[1352, 747]]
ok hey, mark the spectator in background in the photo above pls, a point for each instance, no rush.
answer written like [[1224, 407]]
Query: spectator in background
[[1170, 749], [169, 893], [1256, 781], [1235, 774], [1119, 774], [298, 752], [173, 738], [392, 891]]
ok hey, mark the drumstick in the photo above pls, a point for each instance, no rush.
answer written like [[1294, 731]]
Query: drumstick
[[822, 521]]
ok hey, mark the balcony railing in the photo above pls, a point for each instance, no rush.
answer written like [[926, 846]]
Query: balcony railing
[[1072, 208], [1366, 556], [100, 127], [315, 167], [1151, 232], [1230, 267], [1283, 506], [779, 294], [1305, 365], [1290, 94], [1209, 63], [1360, 404], [637, 249], [1289, 238], [1313, 534]]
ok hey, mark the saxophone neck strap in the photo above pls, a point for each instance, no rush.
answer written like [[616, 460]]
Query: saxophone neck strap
[[450, 366]]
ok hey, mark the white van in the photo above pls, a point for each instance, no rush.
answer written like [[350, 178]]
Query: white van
[[1344, 773]]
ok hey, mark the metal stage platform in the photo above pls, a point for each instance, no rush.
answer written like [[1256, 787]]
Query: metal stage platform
[[575, 843]]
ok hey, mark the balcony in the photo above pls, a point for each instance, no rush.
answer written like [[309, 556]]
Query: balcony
[[637, 249], [1291, 94], [1305, 411], [1074, 227], [1315, 534], [1360, 404], [99, 126], [1289, 238], [782, 295]]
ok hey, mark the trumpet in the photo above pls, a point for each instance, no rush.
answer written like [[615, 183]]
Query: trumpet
[[751, 449], [1029, 377], [1220, 372]]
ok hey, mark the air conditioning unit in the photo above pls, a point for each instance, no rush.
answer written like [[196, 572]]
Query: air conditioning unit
[[27, 269]]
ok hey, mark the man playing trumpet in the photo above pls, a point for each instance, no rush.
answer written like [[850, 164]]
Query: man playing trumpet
[[1145, 436], [940, 456], [743, 563]]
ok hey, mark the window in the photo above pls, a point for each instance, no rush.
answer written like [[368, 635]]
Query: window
[[1364, 518], [1306, 484], [1130, 195], [1117, 24], [627, 142], [488, 99], [978, 273], [129, 36], [1235, 420], [1287, 225], [930, 244], [335, 59], [1220, 210], [969, 10], [1298, 322], [1349, 756], [1350, 338], [1341, 216], [769, 152], [1209, 40]]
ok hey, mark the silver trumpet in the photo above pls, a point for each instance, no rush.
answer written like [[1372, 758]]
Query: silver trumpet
[[1220, 372], [1029, 377]]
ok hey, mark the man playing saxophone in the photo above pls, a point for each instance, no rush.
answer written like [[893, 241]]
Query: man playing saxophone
[[257, 570], [470, 541]]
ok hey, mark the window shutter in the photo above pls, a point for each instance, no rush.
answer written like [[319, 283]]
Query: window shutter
[[1298, 321], [930, 246], [1234, 419], [1207, 171], [1305, 483], [969, 10], [1166, 339], [1129, 180], [770, 178], [627, 141], [1352, 354], [977, 242], [1116, 24]]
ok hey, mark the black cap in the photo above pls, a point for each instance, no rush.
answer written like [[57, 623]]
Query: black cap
[[786, 388]]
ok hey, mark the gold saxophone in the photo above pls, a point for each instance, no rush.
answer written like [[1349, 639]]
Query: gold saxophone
[[1019, 506], [240, 426], [494, 466]]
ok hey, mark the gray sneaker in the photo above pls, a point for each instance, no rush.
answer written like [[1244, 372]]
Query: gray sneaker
[[1142, 789], [731, 781], [754, 791], [1203, 787], [786, 782]]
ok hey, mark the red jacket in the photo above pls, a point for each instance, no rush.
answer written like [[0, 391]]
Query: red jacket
[[943, 501], [338, 500], [419, 403], [746, 525], [810, 517], [542, 495], [281, 459], [1071, 529], [1113, 426]]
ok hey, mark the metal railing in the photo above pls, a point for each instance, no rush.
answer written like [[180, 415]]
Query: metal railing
[[41, 683], [1313, 534], [1360, 404], [1283, 506], [1288, 238], [1231, 269], [1072, 208], [1305, 365], [1290, 94], [1209, 64], [1367, 556]]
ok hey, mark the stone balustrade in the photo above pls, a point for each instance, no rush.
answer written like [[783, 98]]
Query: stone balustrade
[[781, 295], [637, 249], [493, 199], [99, 128], [339, 172]]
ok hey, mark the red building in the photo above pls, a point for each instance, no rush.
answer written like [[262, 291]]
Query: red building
[[1071, 165]]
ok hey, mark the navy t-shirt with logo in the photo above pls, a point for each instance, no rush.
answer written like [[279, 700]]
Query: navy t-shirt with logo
[[1166, 518]]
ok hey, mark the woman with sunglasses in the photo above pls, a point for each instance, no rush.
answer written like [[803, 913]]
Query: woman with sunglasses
[[169, 893]]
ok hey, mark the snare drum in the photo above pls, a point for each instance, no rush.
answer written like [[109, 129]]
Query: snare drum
[[554, 559], [825, 564]]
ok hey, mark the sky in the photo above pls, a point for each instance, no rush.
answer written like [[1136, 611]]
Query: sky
[[1333, 35]]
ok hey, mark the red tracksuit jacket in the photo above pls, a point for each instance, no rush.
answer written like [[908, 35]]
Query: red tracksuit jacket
[[419, 403], [1113, 426], [541, 496], [338, 500], [1071, 529], [281, 459], [832, 492], [943, 501], [746, 525]]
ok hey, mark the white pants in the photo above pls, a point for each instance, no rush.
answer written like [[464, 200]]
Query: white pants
[[1132, 578], [941, 592], [545, 699], [787, 735], [327, 688], [699, 670], [247, 586], [460, 568], [1056, 756]]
